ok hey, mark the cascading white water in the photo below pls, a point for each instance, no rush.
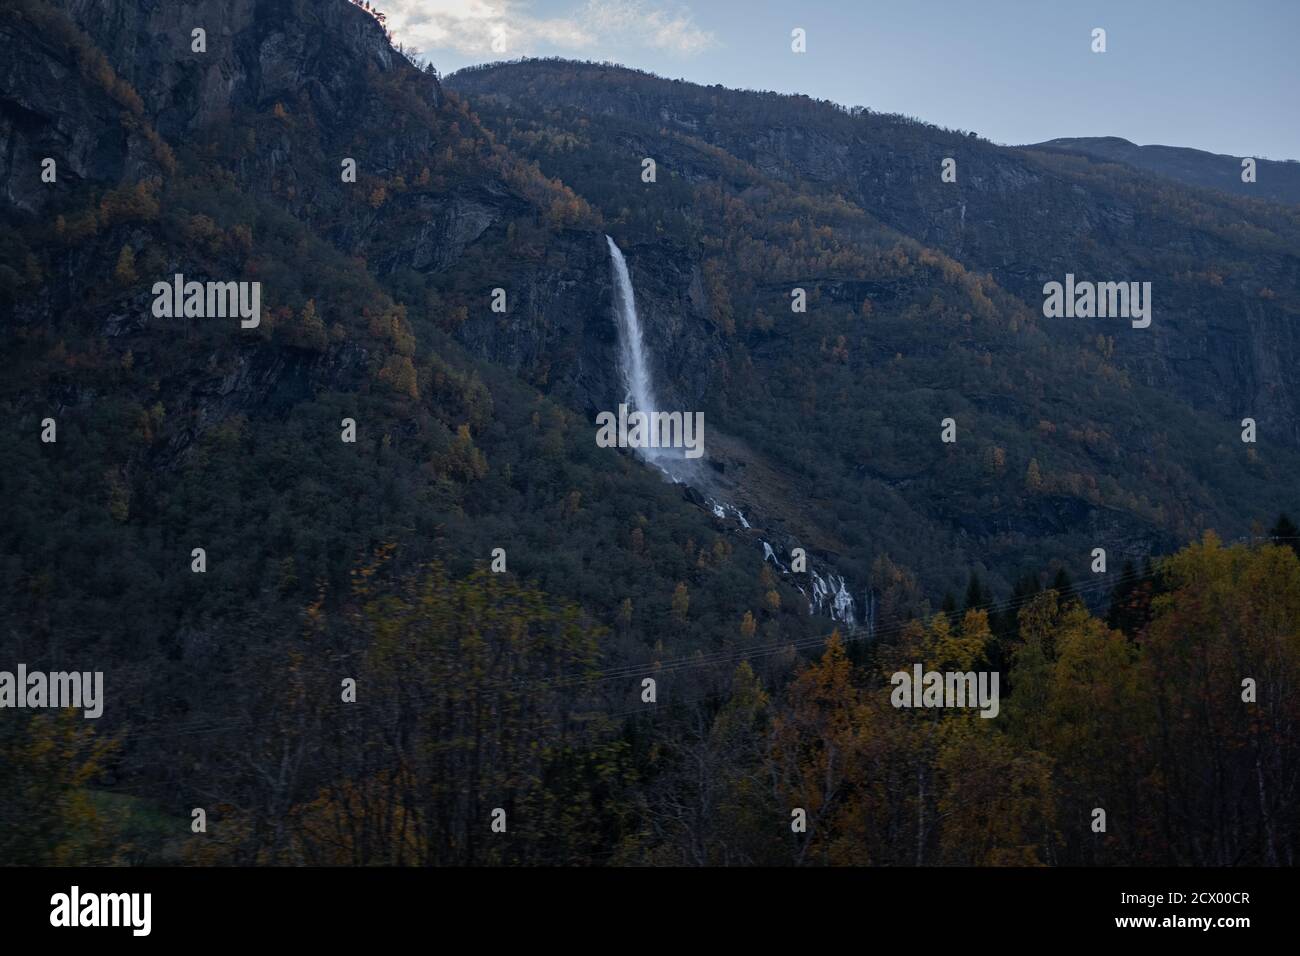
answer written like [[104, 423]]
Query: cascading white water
[[632, 362], [830, 594]]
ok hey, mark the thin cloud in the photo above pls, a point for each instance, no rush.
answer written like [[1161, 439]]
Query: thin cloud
[[673, 32], [505, 28]]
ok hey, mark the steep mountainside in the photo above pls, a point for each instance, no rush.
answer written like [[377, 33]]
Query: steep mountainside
[[1225, 271], [1083, 432], [180, 433]]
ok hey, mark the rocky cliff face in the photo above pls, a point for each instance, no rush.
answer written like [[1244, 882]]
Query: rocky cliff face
[[257, 53], [45, 111]]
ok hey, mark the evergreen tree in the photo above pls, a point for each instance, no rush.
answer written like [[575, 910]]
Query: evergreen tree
[[1120, 593], [949, 606], [977, 596], [1285, 533], [1062, 584]]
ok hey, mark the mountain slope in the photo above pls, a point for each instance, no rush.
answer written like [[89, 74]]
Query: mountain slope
[[1226, 270], [176, 434], [1279, 182], [1065, 420]]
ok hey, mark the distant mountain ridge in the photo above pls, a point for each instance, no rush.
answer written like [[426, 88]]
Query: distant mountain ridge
[[1276, 181]]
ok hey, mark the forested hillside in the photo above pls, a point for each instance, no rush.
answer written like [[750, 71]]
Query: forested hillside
[[1073, 433], [1224, 269], [326, 560]]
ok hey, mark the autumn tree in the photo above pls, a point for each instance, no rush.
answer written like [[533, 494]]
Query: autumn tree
[[1222, 663], [124, 271], [681, 603], [48, 813]]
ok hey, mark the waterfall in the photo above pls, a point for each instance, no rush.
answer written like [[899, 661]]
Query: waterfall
[[632, 362], [831, 593]]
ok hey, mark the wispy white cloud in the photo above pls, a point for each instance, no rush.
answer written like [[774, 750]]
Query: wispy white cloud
[[671, 30], [498, 29]]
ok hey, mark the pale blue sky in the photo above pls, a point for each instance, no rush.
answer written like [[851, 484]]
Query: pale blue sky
[[1221, 76]]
